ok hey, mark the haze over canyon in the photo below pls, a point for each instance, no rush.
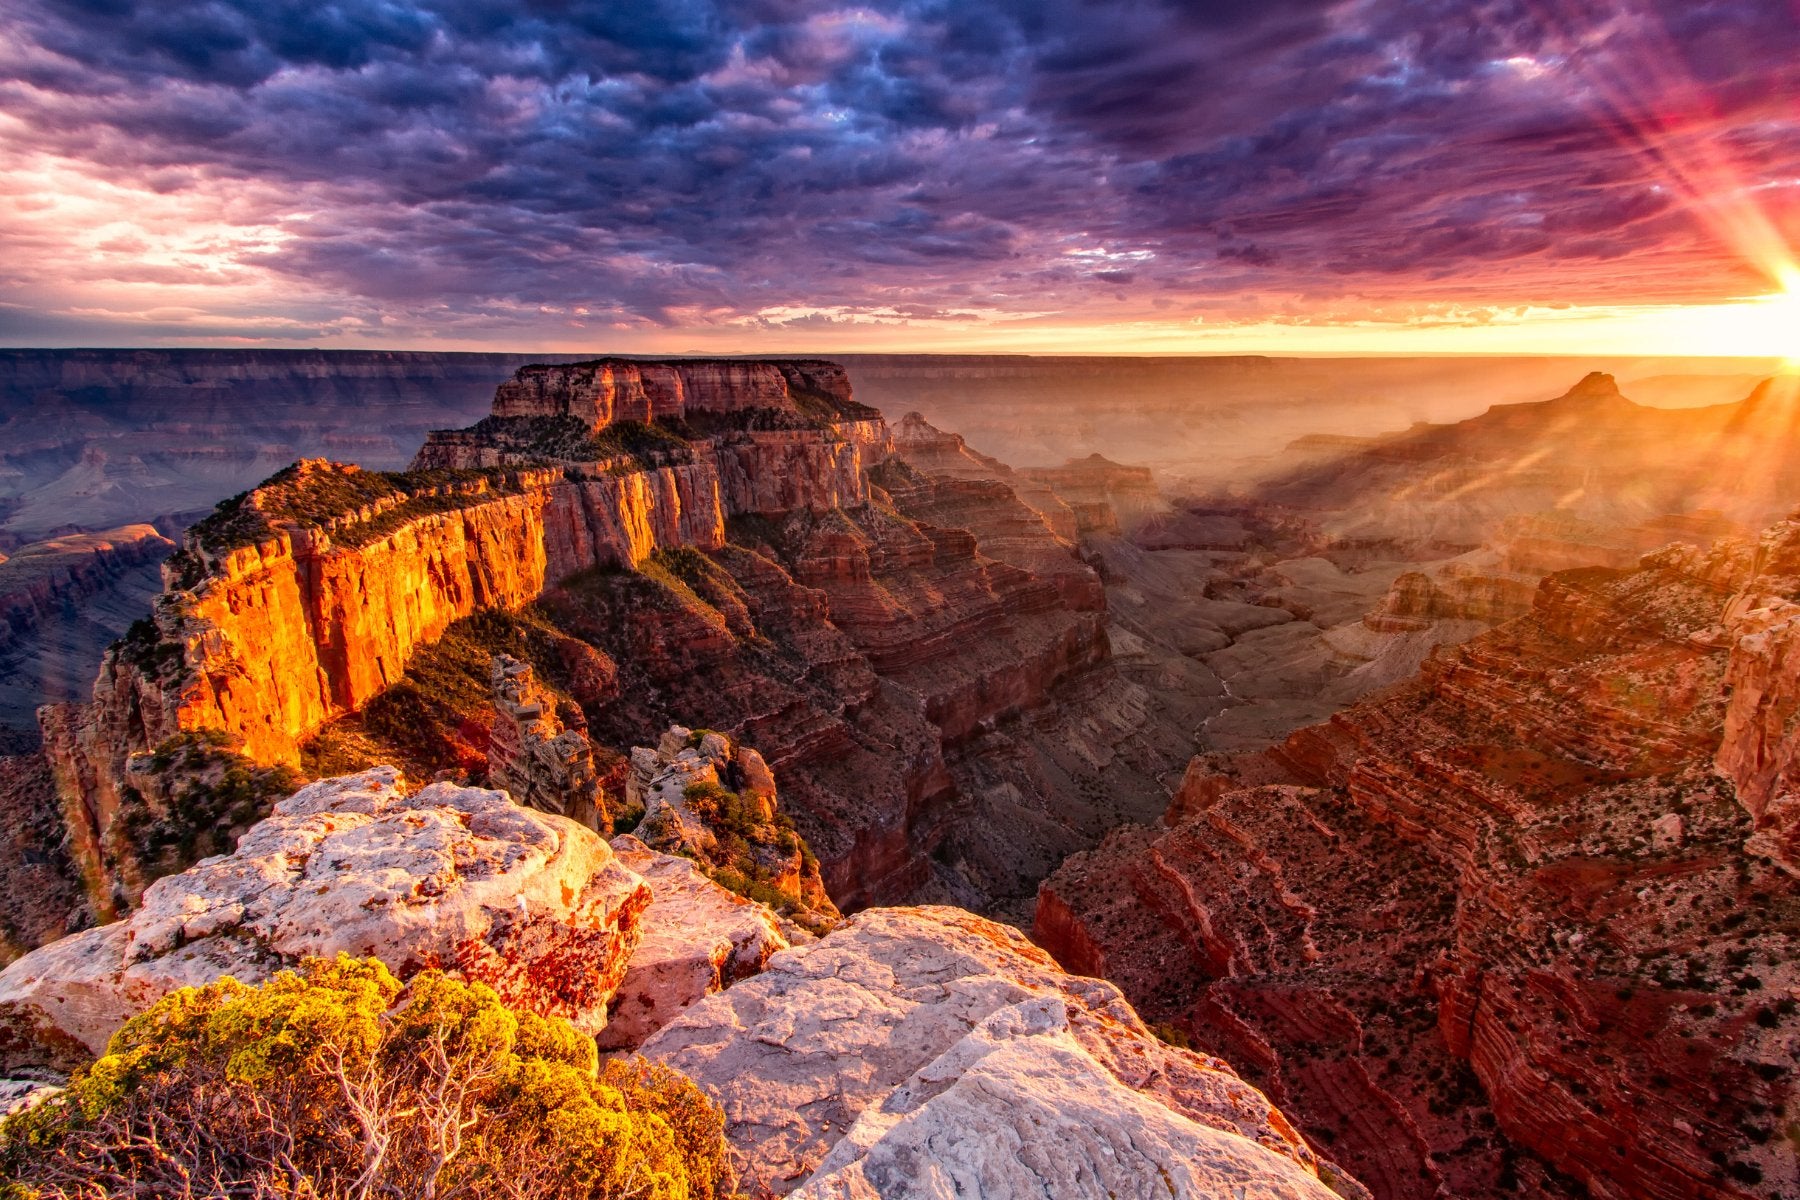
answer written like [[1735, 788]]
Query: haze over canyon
[[1425, 790]]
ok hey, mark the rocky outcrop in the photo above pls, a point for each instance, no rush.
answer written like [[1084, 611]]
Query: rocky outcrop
[[533, 757], [915, 1052], [1760, 750], [458, 878], [1501, 929], [698, 939], [716, 803]]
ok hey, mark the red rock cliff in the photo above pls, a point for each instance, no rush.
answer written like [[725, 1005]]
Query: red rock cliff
[[1509, 908], [908, 685], [304, 599]]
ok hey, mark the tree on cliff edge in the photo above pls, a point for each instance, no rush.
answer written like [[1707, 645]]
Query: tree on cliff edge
[[334, 1082]]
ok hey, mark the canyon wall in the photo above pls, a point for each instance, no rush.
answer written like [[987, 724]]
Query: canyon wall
[[1523, 925], [1760, 750], [62, 601], [759, 565], [279, 637], [45, 577], [301, 601]]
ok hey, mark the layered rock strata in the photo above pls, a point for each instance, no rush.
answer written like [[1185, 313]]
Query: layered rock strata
[[926, 1052], [1760, 750], [302, 600], [1502, 929], [731, 559], [47, 577], [1107, 497], [947, 455], [533, 757], [458, 878]]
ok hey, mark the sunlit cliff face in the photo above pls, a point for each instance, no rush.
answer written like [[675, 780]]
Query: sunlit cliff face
[[1365, 175]]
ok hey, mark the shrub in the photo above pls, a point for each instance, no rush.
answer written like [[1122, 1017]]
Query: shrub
[[336, 1082], [206, 794]]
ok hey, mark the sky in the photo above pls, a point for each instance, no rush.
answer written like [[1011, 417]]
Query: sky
[[1426, 176]]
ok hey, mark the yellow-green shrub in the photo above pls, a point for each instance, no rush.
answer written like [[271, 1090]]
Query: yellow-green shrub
[[334, 1081]]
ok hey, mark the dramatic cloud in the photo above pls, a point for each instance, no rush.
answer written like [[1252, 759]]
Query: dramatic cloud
[[578, 171]]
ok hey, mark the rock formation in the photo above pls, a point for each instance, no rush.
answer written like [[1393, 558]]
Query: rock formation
[[302, 600], [698, 939], [536, 760], [1760, 748], [531, 904], [724, 540], [921, 1052], [947, 455], [1106, 496], [716, 803], [907, 1036], [1502, 928]]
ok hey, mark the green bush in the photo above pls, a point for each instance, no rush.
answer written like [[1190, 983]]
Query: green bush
[[335, 1082], [207, 795]]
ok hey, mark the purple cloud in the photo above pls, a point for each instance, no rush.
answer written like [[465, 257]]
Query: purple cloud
[[680, 161]]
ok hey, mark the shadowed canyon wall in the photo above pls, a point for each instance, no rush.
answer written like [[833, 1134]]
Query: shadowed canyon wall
[[1537, 908]]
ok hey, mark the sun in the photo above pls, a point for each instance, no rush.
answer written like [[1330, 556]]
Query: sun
[[1778, 318]]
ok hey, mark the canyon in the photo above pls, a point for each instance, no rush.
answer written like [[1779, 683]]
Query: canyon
[[1440, 782], [63, 600], [728, 544], [1534, 907], [91, 439]]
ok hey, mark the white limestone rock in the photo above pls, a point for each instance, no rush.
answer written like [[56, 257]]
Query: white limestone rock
[[530, 903], [698, 938], [22, 1095], [916, 1051]]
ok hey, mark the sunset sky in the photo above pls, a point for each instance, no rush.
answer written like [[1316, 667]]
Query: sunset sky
[[1064, 175]]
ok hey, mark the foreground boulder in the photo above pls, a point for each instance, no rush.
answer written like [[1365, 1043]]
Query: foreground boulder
[[928, 1052], [698, 938], [461, 878]]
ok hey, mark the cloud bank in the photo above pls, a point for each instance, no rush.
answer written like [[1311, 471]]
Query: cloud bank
[[571, 171]]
